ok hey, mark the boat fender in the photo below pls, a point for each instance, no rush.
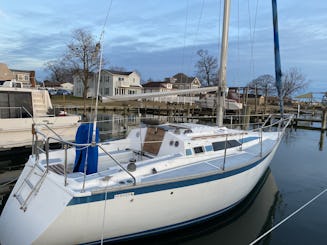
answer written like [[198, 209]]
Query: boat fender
[[131, 166]]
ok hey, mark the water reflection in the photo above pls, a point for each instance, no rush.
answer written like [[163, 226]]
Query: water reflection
[[321, 140]]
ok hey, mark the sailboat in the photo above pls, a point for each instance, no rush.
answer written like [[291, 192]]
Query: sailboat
[[158, 178]]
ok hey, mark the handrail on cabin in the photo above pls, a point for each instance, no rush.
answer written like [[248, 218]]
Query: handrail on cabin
[[46, 139]]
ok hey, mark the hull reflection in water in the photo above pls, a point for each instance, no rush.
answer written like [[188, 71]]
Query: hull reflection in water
[[241, 225]]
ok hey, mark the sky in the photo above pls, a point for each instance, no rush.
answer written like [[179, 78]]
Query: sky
[[160, 38]]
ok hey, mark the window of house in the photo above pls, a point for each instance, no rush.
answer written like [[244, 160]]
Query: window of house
[[20, 77]]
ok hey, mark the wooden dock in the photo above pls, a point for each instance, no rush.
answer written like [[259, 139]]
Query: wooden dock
[[306, 119]]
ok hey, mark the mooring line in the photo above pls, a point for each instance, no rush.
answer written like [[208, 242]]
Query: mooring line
[[281, 222], [9, 182]]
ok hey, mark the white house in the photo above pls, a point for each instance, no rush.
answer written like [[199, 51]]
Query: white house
[[182, 81], [111, 83]]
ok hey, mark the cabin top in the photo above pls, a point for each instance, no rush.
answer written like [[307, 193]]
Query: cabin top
[[185, 138]]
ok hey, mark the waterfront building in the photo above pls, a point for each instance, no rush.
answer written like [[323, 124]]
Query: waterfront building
[[26, 77], [111, 83]]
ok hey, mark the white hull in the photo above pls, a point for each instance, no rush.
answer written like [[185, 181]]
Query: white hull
[[17, 132], [54, 217]]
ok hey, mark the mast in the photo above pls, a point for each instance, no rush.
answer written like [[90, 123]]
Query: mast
[[98, 48], [222, 88], [278, 70]]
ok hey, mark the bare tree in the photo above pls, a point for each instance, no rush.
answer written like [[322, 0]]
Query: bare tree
[[264, 83], [82, 57], [207, 67], [58, 71], [293, 81]]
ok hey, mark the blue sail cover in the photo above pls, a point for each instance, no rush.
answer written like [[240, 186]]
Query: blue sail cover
[[88, 155]]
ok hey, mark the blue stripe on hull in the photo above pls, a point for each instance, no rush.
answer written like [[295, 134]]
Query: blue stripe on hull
[[165, 186]]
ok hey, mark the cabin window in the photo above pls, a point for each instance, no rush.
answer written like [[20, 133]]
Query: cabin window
[[221, 144], [233, 143], [188, 152], [209, 148], [13, 103], [218, 145], [247, 139], [198, 149], [176, 143]]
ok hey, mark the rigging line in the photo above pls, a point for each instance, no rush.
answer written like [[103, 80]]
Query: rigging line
[[291, 215], [198, 29], [199, 20], [104, 208], [185, 32], [238, 42], [253, 40], [99, 47]]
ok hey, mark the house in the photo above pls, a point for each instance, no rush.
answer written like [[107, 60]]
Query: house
[[151, 86], [182, 81], [5, 73], [26, 77], [111, 83]]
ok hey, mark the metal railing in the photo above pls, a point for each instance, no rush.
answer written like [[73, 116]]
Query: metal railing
[[44, 147], [14, 112]]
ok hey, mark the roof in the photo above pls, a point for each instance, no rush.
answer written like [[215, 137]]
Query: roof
[[305, 96], [155, 84], [123, 73], [5, 73]]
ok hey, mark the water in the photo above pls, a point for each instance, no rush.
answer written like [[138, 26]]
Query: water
[[297, 173]]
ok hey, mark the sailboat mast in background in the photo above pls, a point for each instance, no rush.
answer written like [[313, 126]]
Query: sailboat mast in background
[[278, 70], [222, 88]]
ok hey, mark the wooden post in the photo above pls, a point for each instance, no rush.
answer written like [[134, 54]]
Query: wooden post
[[266, 98], [324, 119], [246, 117], [255, 100]]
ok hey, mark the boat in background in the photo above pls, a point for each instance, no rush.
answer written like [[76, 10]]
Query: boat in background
[[22, 107]]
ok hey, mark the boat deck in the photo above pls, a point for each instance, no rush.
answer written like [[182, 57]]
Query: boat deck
[[154, 169]]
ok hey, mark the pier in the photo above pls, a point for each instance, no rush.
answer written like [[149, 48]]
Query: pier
[[313, 118]]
